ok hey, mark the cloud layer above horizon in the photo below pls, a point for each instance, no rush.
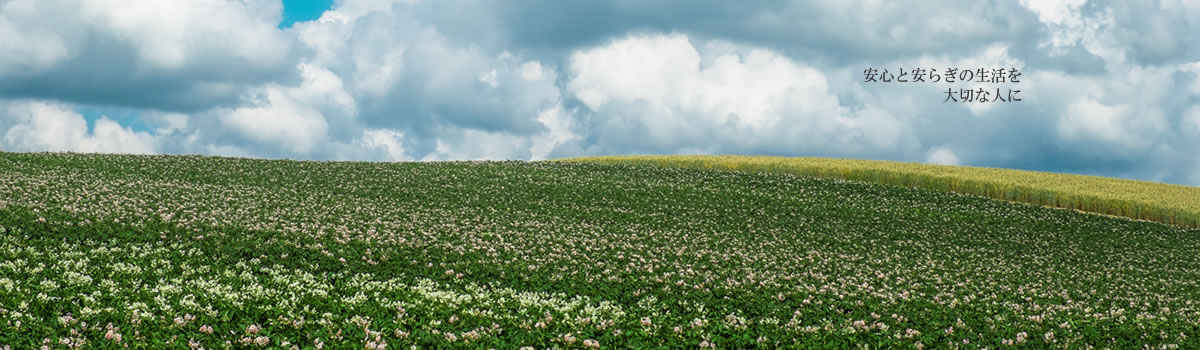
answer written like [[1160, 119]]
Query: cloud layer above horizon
[[1108, 87]]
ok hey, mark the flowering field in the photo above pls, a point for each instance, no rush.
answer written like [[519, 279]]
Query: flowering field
[[109, 251]]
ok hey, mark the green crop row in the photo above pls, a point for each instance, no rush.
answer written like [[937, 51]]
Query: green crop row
[[1166, 203]]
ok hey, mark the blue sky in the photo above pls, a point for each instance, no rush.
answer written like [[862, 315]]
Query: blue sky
[[128, 117], [303, 10], [1109, 87]]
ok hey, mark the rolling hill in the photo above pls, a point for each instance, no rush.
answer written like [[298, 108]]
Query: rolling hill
[[108, 251]]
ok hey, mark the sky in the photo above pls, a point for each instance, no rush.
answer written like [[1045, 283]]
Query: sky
[[1107, 88], [303, 10]]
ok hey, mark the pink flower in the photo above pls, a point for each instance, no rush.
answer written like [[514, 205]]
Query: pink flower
[[114, 336]]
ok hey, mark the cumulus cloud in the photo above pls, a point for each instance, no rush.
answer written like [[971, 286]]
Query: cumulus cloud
[[1108, 88], [294, 119], [1056, 11], [1111, 125], [660, 93], [278, 121], [184, 55], [39, 126], [407, 75], [560, 129], [943, 156], [390, 142]]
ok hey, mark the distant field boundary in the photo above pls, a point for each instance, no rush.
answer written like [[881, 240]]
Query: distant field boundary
[[1165, 203]]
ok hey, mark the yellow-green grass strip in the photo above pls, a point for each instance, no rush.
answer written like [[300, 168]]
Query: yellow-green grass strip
[[1143, 200]]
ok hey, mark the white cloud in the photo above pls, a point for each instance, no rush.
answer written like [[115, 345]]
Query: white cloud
[[168, 123], [1091, 119], [349, 10], [1069, 26], [171, 34], [726, 96], [164, 35], [401, 79], [532, 70], [436, 92], [559, 130], [390, 142], [179, 55], [1123, 111], [1055, 11], [634, 68], [279, 120], [379, 73], [943, 156], [461, 144], [43, 126], [464, 143], [325, 90], [293, 119], [26, 46]]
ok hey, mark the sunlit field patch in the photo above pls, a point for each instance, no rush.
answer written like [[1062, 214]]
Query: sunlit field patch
[[108, 252]]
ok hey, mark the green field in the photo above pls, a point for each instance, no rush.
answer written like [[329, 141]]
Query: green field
[[150, 252], [1173, 204]]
